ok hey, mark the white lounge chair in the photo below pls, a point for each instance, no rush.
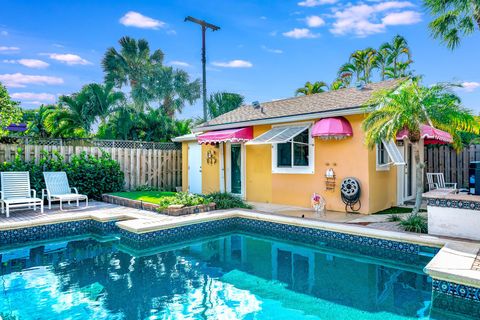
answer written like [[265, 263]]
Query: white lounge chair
[[16, 192], [436, 181], [58, 189]]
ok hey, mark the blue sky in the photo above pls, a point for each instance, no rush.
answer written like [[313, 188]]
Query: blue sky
[[264, 50]]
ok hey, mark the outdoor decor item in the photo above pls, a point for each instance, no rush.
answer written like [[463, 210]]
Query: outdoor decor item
[[318, 203], [350, 192]]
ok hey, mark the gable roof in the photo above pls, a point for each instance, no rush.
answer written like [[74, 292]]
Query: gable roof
[[339, 102]]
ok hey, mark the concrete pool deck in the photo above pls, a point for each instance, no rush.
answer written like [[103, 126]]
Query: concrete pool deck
[[458, 261]]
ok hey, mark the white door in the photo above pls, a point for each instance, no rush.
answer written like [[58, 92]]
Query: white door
[[406, 174], [194, 167]]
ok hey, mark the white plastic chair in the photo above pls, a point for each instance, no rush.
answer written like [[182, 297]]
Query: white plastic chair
[[16, 192], [58, 189], [436, 181]]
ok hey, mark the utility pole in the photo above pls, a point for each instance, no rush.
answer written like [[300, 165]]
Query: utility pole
[[204, 25]]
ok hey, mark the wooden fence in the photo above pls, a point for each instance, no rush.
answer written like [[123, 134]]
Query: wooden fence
[[444, 159], [144, 164]]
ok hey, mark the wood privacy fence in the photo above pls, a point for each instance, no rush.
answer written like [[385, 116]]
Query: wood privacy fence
[[454, 165], [152, 164]]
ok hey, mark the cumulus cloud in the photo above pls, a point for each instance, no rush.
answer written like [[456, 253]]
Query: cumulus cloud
[[233, 64], [300, 33], [314, 21], [470, 86], [34, 97], [138, 20], [68, 58], [5, 49], [179, 63], [20, 80], [30, 63], [402, 18], [315, 3], [278, 51], [365, 19]]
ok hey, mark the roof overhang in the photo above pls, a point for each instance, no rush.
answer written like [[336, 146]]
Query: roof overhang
[[187, 137], [283, 119]]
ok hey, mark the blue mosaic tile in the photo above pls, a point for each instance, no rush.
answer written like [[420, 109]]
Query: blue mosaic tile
[[456, 204], [456, 290]]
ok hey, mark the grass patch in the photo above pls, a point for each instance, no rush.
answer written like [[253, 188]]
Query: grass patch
[[397, 210], [154, 197]]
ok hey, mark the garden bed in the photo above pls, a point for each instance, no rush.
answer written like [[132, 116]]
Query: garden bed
[[149, 200]]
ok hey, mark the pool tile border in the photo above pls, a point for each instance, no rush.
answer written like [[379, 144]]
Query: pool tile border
[[456, 290], [452, 203]]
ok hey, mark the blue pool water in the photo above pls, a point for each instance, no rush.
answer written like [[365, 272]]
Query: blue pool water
[[233, 276]]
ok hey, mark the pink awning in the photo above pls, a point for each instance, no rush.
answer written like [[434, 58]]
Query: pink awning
[[332, 128], [232, 135], [430, 134]]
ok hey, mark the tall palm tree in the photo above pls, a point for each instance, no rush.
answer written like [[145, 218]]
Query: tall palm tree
[[338, 84], [382, 61], [72, 118], [222, 102], [120, 125], [36, 122], [154, 125], [398, 57], [312, 88], [359, 66], [408, 107], [103, 100], [131, 66], [453, 19], [172, 88]]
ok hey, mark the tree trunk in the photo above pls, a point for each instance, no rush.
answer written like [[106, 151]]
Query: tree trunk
[[418, 177]]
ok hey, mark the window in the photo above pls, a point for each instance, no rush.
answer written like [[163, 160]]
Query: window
[[295, 155], [388, 153], [382, 155]]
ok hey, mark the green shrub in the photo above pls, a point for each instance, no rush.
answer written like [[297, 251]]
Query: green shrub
[[92, 176], [394, 218], [224, 200], [415, 223], [183, 198]]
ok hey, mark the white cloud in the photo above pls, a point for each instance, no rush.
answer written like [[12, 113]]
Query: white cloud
[[5, 49], [68, 58], [138, 20], [278, 51], [4, 33], [402, 18], [365, 19], [179, 63], [33, 97], [20, 80], [470, 86], [30, 63], [300, 33], [314, 21], [315, 3], [233, 64]]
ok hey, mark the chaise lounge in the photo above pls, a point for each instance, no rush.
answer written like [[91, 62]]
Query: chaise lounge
[[58, 189], [16, 192]]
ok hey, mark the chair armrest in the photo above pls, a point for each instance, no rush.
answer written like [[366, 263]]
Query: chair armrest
[[432, 186], [453, 185], [75, 190], [34, 193]]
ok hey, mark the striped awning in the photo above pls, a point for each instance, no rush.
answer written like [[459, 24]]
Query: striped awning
[[430, 134], [229, 135]]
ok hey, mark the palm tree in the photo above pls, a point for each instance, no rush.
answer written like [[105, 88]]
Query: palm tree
[[131, 67], [408, 107], [312, 88], [72, 118], [394, 51], [36, 122], [103, 100], [222, 102], [154, 125], [172, 88], [453, 19], [120, 125], [359, 66], [382, 61], [182, 127]]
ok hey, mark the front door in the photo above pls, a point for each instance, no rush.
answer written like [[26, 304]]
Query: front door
[[406, 174], [194, 168]]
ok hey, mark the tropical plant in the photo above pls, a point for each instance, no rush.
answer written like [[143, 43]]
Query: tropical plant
[[102, 100], [131, 67], [36, 119], [312, 88], [120, 124], [182, 127], [389, 58], [359, 66], [415, 223], [409, 106], [222, 102], [10, 112], [225, 200], [172, 88], [453, 19]]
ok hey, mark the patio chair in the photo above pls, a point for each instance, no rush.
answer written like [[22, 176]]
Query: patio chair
[[58, 189], [16, 192], [436, 181]]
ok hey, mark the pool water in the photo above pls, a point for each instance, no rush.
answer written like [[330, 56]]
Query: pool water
[[234, 276]]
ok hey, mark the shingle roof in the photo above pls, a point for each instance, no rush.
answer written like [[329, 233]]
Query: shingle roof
[[343, 99]]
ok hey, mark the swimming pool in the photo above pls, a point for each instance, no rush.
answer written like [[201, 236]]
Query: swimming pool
[[228, 275]]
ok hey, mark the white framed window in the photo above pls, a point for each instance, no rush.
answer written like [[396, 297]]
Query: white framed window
[[387, 153], [383, 161], [295, 155]]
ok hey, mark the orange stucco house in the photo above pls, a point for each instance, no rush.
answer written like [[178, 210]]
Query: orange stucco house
[[273, 152]]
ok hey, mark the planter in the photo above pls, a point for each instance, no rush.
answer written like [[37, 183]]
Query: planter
[[173, 210]]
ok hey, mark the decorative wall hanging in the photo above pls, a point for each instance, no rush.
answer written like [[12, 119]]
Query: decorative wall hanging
[[211, 157]]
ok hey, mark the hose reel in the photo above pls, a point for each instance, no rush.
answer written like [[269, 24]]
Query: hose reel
[[350, 192]]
